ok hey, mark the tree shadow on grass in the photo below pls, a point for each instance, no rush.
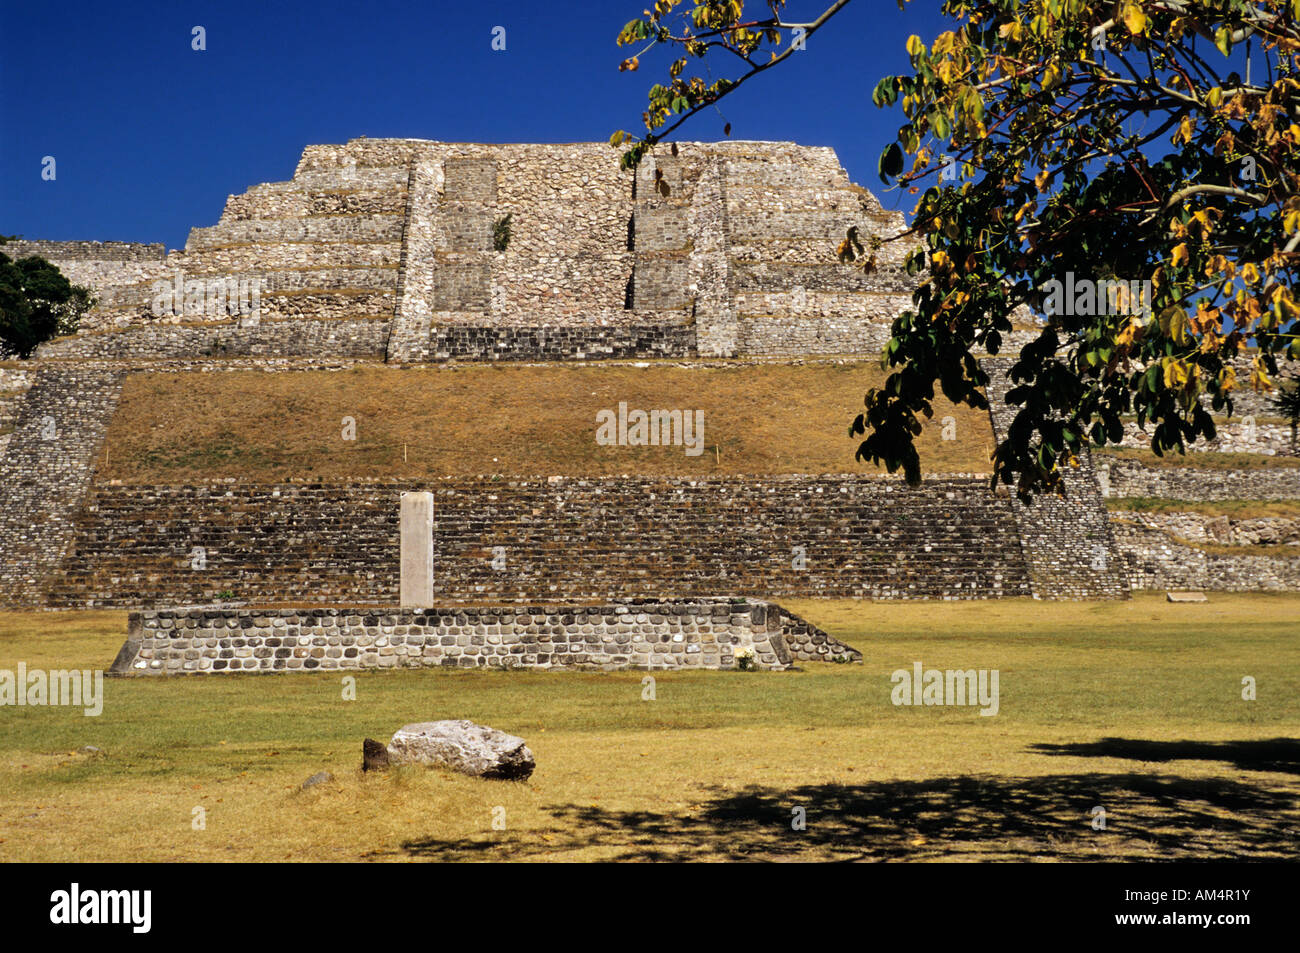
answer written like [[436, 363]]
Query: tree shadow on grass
[[958, 818], [1281, 755]]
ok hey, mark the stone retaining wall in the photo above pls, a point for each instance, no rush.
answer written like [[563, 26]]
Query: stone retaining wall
[[1153, 560], [308, 339], [557, 540], [644, 635], [496, 343], [1132, 479], [47, 468]]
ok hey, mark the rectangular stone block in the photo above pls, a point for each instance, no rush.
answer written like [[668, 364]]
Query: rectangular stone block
[[417, 550]]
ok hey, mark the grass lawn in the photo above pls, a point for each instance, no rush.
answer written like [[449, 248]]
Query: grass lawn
[[1134, 707], [517, 420]]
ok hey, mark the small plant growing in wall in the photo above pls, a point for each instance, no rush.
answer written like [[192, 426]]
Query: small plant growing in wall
[[501, 232], [745, 658]]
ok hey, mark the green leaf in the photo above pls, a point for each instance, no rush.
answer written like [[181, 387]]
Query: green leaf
[[891, 162], [1223, 40]]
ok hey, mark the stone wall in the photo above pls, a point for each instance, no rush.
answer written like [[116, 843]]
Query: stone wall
[[115, 271], [1154, 559], [556, 540], [1270, 438], [1221, 530], [1068, 545], [563, 343], [1132, 479], [1163, 550], [15, 382], [644, 635], [47, 468], [306, 339]]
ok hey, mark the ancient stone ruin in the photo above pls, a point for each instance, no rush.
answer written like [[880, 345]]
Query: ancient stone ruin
[[411, 252]]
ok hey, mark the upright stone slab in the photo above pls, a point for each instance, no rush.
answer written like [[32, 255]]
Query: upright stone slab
[[417, 550]]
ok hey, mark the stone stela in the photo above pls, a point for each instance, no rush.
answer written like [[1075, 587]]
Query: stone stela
[[417, 550]]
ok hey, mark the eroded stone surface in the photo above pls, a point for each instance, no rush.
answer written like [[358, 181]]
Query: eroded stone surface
[[463, 746]]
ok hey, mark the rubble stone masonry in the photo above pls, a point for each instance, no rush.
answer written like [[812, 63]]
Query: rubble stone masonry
[[649, 635]]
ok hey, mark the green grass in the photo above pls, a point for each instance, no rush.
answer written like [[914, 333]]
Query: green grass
[[1135, 706]]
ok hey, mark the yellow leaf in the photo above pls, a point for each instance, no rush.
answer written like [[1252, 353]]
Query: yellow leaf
[[1180, 254], [1175, 373], [1135, 19], [1127, 335]]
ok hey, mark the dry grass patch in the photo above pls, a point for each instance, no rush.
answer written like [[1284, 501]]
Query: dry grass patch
[[1135, 706], [1200, 459], [1235, 509], [437, 421]]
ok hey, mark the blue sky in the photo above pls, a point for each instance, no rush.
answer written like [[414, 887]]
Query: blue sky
[[150, 136]]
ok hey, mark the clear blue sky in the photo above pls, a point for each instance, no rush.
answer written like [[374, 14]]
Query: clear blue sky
[[150, 136]]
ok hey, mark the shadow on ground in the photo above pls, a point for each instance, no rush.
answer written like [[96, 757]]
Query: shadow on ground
[[1148, 817], [1281, 755]]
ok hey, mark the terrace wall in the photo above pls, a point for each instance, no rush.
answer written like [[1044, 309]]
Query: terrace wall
[[648, 635], [556, 540]]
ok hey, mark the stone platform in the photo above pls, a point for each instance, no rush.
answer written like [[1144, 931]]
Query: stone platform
[[647, 635]]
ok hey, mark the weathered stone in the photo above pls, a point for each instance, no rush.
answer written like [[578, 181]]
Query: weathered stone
[[463, 746], [320, 777], [374, 755]]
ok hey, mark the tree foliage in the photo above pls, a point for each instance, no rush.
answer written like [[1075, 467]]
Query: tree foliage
[[1133, 142], [37, 303]]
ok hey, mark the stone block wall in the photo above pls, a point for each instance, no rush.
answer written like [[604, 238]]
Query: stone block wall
[[116, 271], [558, 540], [562, 343], [47, 467], [786, 215], [1068, 545], [305, 338], [15, 382], [1162, 550], [643, 635], [1155, 559], [1134, 479]]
